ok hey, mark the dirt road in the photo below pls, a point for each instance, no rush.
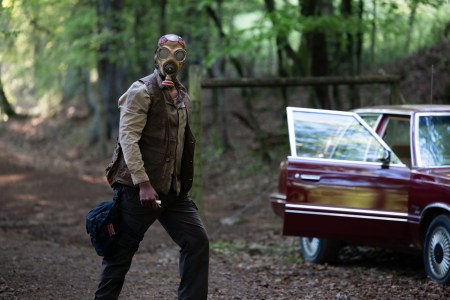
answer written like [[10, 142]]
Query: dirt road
[[45, 252]]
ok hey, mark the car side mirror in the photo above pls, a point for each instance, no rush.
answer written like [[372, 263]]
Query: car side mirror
[[384, 156]]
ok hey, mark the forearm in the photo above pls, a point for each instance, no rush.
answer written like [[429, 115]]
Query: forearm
[[133, 159]]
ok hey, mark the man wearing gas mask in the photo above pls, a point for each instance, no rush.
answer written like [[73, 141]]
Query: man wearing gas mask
[[152, 171]]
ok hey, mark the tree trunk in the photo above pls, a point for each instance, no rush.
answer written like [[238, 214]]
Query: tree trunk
[[220, 115], [373, 34], [319, 66], [297, 81], [220, 94], [412, 17], [110, 76], [143, 62], [196, 126], [347, 12], [318, 49], [446, 32], [5, 107], [246, 96], [282, 68], [281, 42], [359, 37], [162, 18]]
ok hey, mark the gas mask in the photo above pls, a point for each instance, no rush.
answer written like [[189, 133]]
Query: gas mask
[[170, 57]]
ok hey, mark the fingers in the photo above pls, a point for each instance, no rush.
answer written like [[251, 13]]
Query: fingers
[[157, 204], [151, 203]]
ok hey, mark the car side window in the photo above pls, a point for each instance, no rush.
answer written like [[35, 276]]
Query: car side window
[[371, 119], [434, 140], [396, 134], [332, 135], [355, 144]]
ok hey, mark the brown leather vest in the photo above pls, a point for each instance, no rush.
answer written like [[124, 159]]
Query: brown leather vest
[[154, 144]]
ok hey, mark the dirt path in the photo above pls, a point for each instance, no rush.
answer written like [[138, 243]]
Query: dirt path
[[45, 252]]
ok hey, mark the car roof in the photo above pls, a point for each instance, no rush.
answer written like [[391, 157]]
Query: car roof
[[404, 108]]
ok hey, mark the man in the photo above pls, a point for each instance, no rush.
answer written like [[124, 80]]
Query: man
[[152, 170]]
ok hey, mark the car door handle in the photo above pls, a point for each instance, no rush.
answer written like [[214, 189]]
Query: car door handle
[[307, 177]]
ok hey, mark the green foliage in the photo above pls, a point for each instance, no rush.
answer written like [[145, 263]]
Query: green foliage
[[393, 18], [43, 39], [216, 150], [225, 247]]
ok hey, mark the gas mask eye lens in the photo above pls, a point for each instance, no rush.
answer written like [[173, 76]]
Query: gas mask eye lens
[[180, 55], [163, 53]]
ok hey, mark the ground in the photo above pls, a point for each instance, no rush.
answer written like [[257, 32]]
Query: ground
[[49, 180], [45, 252]]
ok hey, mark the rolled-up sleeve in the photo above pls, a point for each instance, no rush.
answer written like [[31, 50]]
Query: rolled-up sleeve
[[133, 105]]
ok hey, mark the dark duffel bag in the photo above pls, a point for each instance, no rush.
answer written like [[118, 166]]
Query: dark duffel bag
[[102, 224]]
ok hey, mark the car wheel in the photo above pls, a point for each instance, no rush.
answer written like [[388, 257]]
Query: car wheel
[[437, 250], [319, 251]]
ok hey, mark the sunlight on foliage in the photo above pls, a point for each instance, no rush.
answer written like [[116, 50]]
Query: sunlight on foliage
[[44, 43]]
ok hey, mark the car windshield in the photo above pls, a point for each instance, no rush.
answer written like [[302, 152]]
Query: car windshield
[[434, 140]]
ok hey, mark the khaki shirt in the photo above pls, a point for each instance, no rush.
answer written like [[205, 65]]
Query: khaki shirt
[[134, 105]]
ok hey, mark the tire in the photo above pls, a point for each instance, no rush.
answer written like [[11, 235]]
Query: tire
[[319, 251], [437, 250]]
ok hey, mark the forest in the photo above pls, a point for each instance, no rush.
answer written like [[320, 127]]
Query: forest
[[87, 52], [64, 65]]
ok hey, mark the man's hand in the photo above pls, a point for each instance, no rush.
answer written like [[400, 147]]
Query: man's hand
[[148, 195]]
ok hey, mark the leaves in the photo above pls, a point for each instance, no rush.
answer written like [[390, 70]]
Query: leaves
[[42, 39]]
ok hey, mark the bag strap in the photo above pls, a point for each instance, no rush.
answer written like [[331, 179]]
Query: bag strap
[[117, 191]]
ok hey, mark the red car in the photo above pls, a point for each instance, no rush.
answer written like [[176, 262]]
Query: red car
[[377, 176]]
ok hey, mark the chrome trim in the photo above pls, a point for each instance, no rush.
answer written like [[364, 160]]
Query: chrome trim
[[278, 201], [383, 111], [352, 210], [414, 220], [405, 109], [439, 205], [309, 177], [296, 158], [278, 196], [346, 216]]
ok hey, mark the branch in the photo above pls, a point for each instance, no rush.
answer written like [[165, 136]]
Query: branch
[[298, 81], [38, 27]]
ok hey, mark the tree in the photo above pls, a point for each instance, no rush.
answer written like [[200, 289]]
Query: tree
[[94, 49], [5, 106], [283, 49], [350, 57], [109, 71], [373, 33], [316, 42], [413, 4], [220, 105]]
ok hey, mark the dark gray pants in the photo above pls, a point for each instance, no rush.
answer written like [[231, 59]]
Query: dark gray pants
[[179, 216]]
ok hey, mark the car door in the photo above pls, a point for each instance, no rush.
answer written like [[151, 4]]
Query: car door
[[341, 182]]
